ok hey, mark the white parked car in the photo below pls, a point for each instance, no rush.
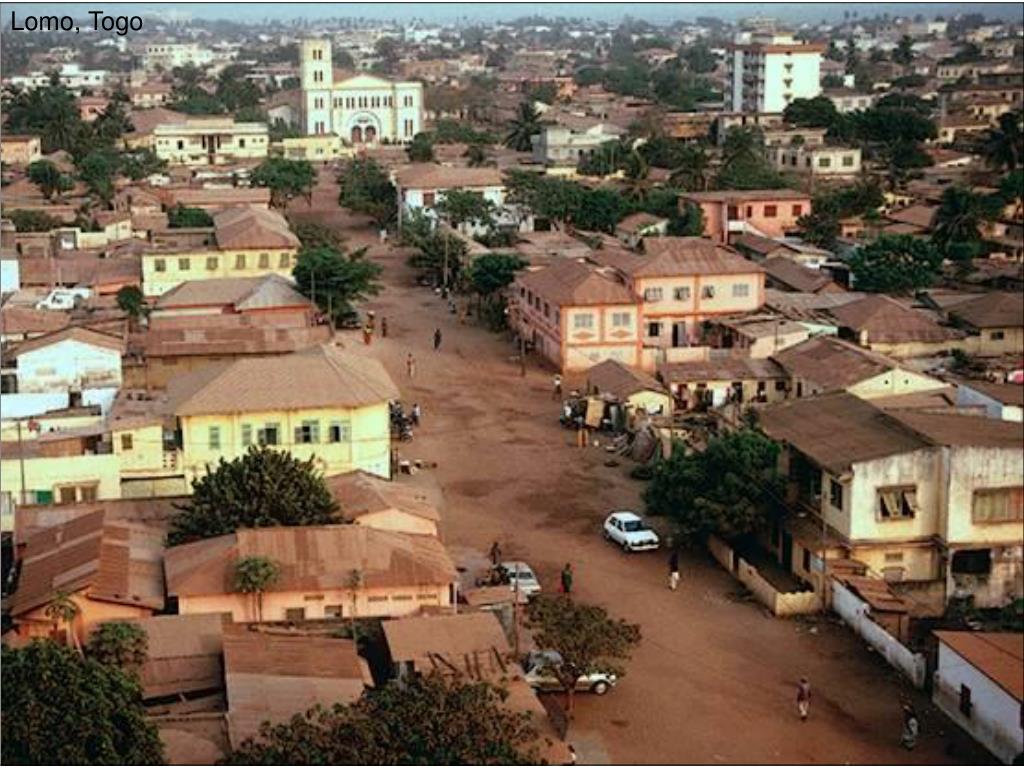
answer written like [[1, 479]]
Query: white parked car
[[629, 531], [64, 298], [540, 669], [518, 571]]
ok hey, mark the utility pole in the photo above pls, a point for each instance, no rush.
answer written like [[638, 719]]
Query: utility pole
[[522, 355], [515, 614], [21, 462]]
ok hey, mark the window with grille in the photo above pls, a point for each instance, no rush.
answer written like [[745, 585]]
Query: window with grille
[[214, 438], [308, 432], [740, 291], [581, 322], [652, 294], [682, 293], [339, 432], [622, 320]]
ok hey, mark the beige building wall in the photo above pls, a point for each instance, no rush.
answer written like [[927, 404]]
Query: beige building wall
[[51, 473], [163, 271], [369, 603]]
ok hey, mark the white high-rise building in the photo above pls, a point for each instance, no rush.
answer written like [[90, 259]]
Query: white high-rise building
[[362, 109], [768, 71]]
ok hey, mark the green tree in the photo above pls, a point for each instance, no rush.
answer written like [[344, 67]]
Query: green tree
[[285, 179], [50, 112], [253, 576], [690, 169], [97, 171], [334, 280], [184, 217], [477, 156], [62, 609], [743, 163], [492, 272], [262, 488], [48, 178], [585, 636], [464, 206], [62, 709], [424, 721], [687, 223], [112, 123], [137, 164], [820, 227], [526, 124], [121, 644], [1004, 145], [903, 54], [958, 220], [33, 221], [366, 188], [421, 149], [600, 210], [895, 264], [819, 112], [441, 256], [132, 302], [724, 490], [699, 58], [313, 235]]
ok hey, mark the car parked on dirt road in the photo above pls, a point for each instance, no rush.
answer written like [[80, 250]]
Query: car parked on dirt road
[[629, 531], [540, 669], [521, 573]]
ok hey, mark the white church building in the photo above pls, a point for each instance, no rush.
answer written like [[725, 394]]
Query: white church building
[[361, 108]]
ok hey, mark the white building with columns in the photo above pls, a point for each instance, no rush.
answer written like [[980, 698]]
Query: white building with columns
[[362, 108]]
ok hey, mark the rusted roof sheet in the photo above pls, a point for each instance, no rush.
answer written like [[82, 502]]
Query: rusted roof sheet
[[359, 493], [112, 561], [887, 320], [675, 256], [329, 377], [242, 293], [431, 176], [311, 557], [619, 379], [470, 644], [72, 333], [575, 283], [722, 365], [184, 654], [997, 655], [247, 227], [992, 310], [832, 363], [795, 275]]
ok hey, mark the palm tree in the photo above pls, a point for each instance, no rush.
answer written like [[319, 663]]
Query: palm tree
[[64, 609], [354, 582], [959, 218], [476, 155], [253, 575], [1004, 146], [525, 125], [691, 174]]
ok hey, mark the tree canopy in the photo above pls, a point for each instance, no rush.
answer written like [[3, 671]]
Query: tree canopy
[[366, 188], [49, 179], [265, 487], [526, 123], [285, 179], [895, 264], [585, 636], [723, 490], [184, 217], [465, 206], [493, 271], [424, 721], [335, 280], [122, 644], [421, 148], [62, 709]]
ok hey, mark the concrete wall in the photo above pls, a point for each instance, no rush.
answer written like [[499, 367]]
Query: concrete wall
[[779, 603], [857, 615], [994, 720], [68, 364]]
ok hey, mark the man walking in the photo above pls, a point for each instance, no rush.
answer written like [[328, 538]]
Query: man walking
[[410, 365], [803, 698], [495, 553], [437, 339], [383, 327], [415, 414], [911, 727], [567, 579], [673, 570], [556, 392]]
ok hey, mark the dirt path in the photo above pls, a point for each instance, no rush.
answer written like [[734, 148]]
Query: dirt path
[[714, 678]]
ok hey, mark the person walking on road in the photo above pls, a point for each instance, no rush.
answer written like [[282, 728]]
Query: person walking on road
[[911, 727], [437, 339], [803, 698], [415, 414], [556, 392], [495, 553], [383, 327], [673, 570], [567, 579], [410, 366]]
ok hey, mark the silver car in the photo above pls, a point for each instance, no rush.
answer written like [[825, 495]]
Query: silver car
[[540, 669]]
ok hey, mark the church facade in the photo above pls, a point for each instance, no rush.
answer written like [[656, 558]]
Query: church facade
[[362, 108]]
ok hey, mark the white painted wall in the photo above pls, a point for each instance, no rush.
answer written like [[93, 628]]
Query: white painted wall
[[995, 715], [68, 364]]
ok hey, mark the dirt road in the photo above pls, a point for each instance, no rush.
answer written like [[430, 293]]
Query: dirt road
[[714, 677]]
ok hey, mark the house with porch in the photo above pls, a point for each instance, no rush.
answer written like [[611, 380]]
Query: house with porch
[[930, 501]]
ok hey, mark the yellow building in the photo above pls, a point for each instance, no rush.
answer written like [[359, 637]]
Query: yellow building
[[322, 404], [247, 242], [326, 572], [210, 141], [20, 150], [318, 148]]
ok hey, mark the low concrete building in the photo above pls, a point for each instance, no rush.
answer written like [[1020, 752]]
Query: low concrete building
[[17, 149], [635, 227], [638, 392], [326, 572], [384, 505], [770, 213], [824, 160], [72, 359], [979, 684], [210, 141], [561, 145]]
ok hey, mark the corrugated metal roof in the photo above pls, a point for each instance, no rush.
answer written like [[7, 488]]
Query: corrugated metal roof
[[997, 655]]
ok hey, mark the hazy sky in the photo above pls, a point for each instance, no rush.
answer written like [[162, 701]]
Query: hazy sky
[[653, 12]]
